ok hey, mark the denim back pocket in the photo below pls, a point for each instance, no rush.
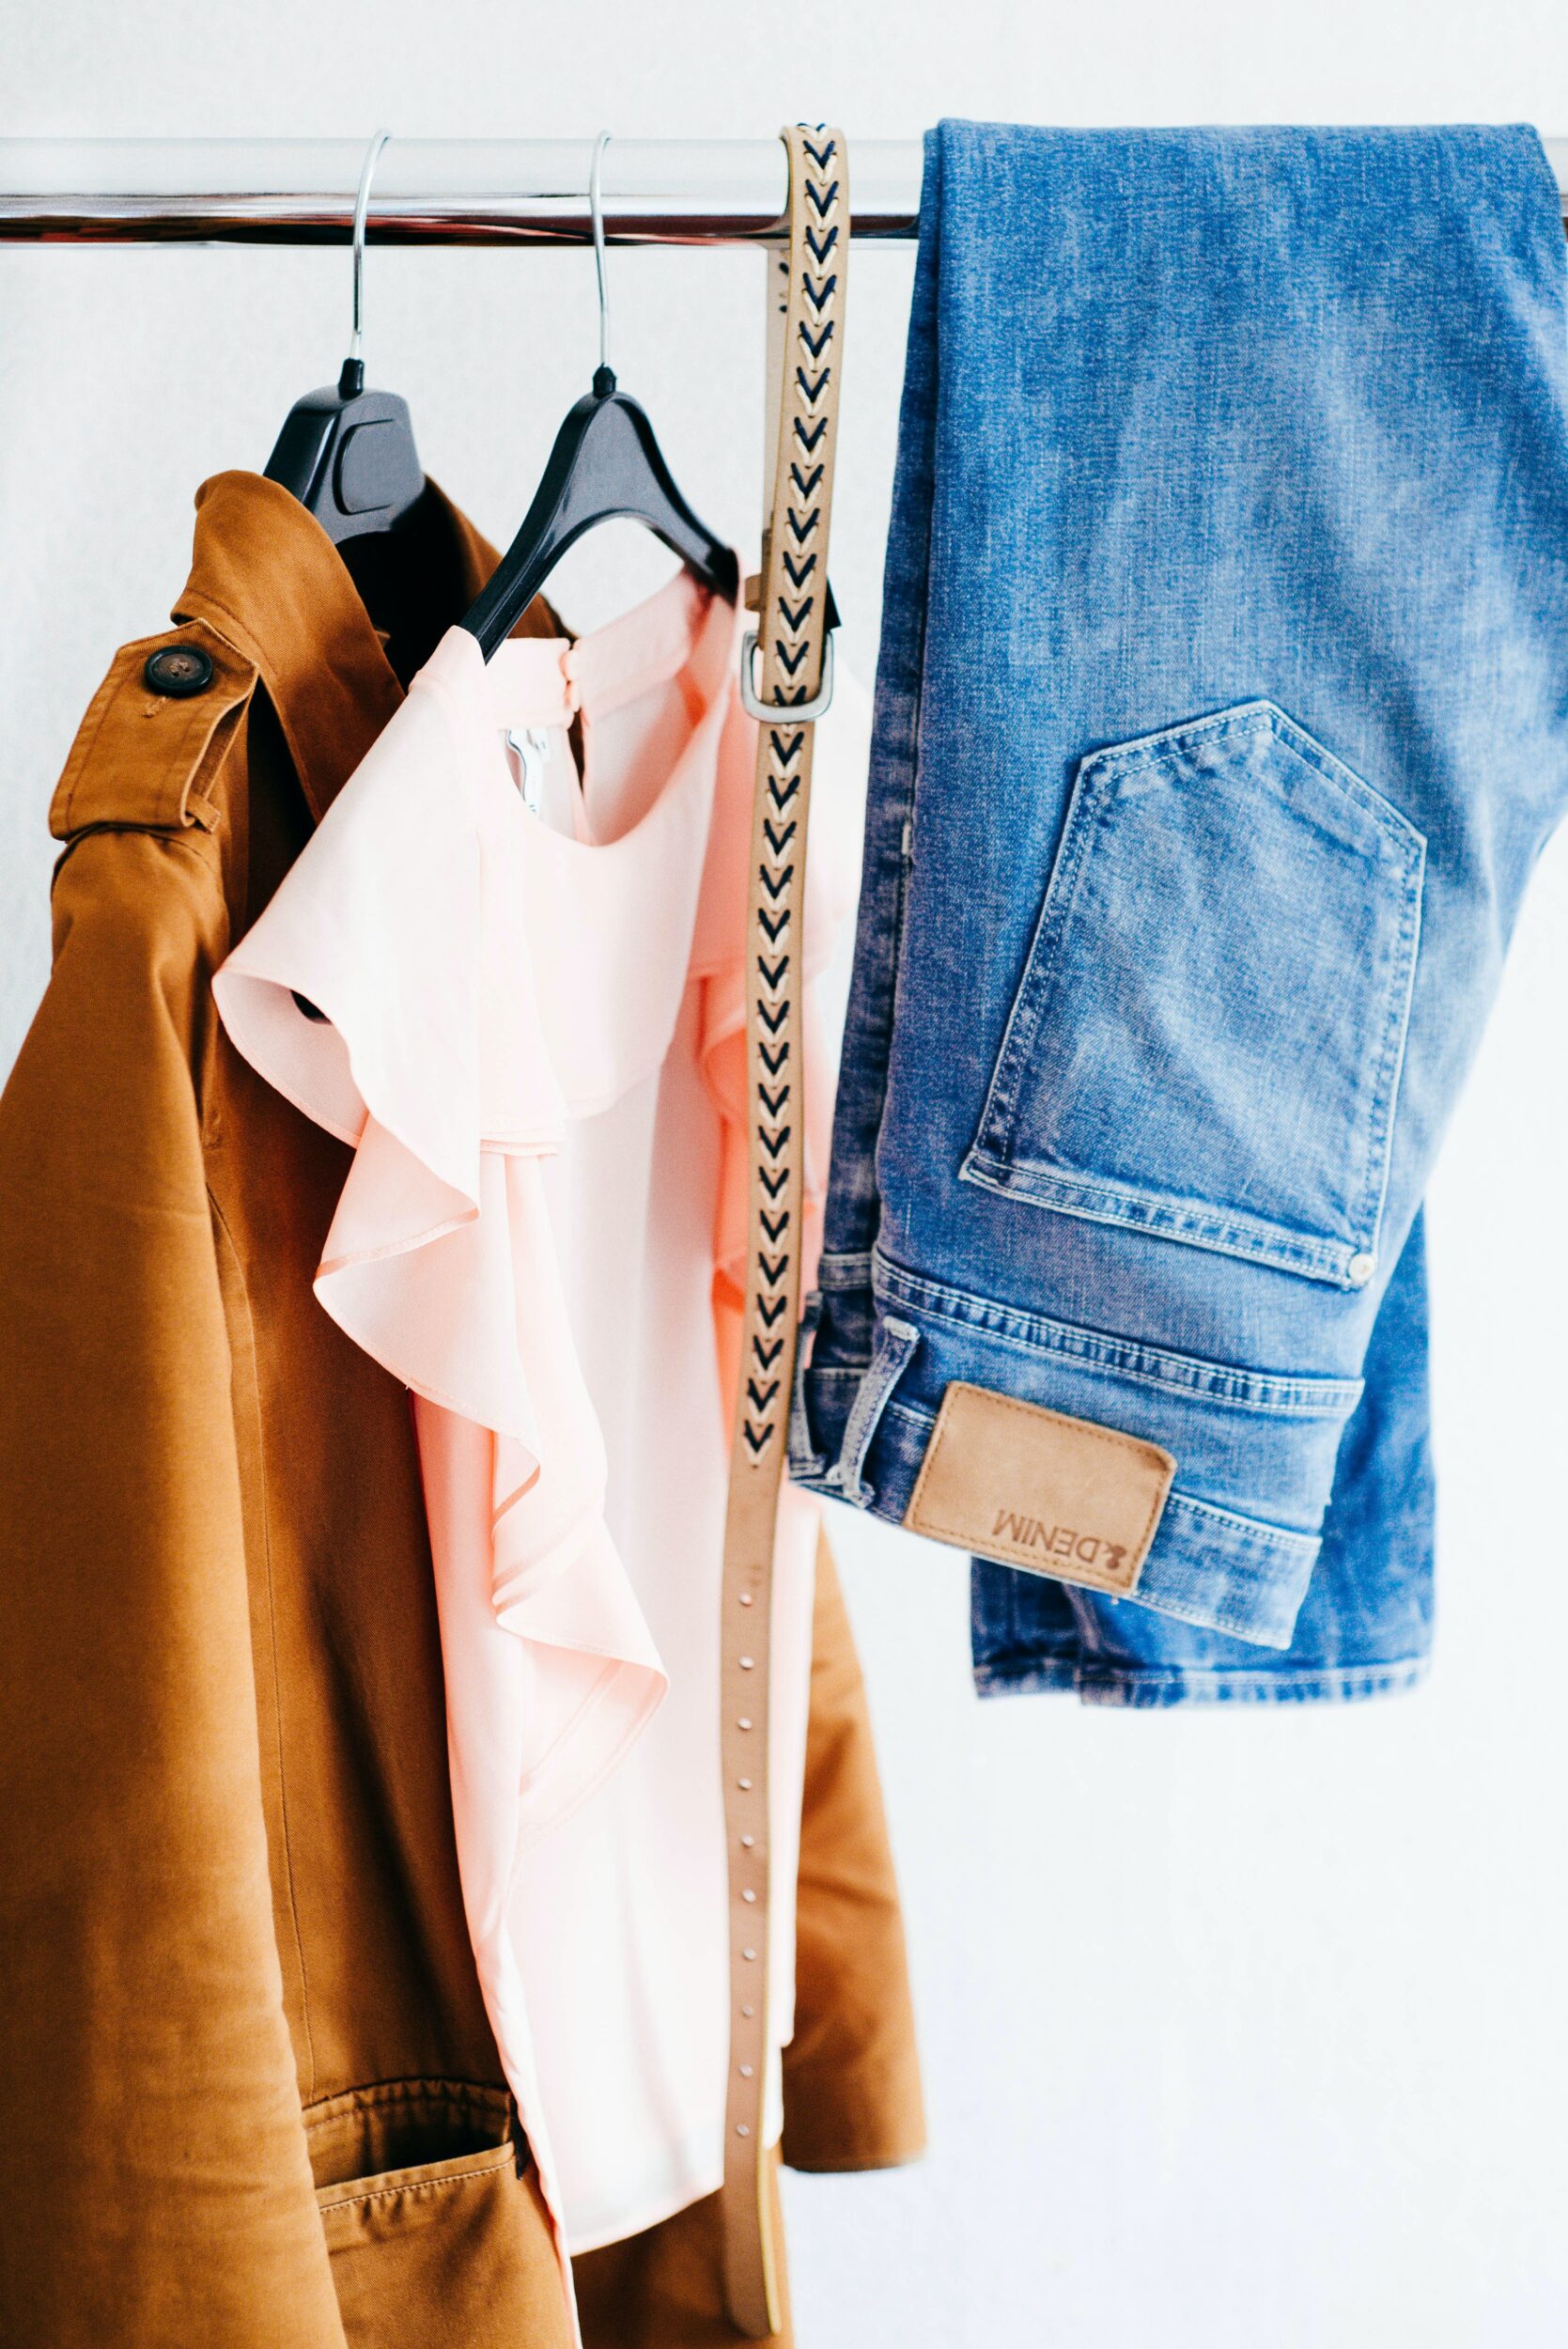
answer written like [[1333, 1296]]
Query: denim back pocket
[[1206, 1041]]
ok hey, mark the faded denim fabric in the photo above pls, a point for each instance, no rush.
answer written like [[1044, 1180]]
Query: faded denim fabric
[[1223, 711]]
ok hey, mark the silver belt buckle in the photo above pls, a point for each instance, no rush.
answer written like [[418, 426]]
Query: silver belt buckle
[[791, 713]]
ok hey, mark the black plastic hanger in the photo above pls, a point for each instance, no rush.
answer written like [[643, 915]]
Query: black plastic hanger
[[606, 465], [346, 454]]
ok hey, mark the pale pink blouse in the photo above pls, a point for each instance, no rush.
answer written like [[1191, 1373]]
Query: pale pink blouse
[[533, 995]]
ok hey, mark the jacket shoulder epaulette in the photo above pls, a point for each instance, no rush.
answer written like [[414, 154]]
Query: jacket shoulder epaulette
[[154, 735]]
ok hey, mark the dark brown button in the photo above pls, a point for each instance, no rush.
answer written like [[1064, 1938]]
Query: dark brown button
[[178, 670]]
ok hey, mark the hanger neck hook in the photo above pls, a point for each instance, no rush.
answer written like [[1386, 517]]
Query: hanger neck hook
[[604, 378], [351, 381]]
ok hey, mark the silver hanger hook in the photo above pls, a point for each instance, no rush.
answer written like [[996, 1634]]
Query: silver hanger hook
[[596, 214], [362, 209]]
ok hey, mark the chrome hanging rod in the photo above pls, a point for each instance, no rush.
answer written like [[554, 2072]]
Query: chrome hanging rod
[[145, 192], [426, 191]]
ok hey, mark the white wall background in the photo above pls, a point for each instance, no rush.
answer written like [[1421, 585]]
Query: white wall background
[[1237, 2029]]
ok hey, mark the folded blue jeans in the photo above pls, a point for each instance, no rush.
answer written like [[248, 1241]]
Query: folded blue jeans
[[1221, 713], [1365, 1626]]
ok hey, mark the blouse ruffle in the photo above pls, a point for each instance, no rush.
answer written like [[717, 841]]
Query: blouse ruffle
[[388, 992]]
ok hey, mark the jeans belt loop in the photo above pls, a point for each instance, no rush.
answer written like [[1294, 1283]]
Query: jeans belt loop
[[890, 1355], [805, 1462]]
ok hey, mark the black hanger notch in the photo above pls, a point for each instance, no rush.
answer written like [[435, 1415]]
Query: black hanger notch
[[348, 455]]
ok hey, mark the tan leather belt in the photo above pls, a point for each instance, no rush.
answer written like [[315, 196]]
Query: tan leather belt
[[806, 359]]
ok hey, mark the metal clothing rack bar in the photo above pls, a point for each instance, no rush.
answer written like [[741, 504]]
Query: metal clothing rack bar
[[477, 191]]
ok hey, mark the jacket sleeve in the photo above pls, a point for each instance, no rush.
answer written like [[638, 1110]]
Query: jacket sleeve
[[851, 2075], [154, 2185]]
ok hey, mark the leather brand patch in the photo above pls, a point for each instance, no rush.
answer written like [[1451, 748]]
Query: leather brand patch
[[1030, 1487]]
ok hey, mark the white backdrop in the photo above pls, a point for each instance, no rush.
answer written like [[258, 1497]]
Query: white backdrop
[[1237, 2029]]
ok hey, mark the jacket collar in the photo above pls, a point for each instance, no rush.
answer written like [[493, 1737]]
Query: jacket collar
[[266, 578]]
